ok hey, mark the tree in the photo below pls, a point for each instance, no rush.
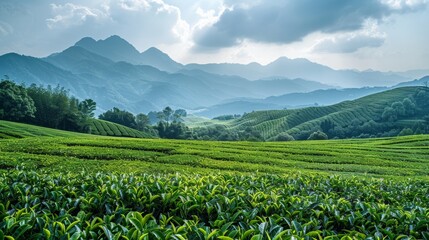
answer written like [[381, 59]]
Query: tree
[[319, 135], [327, 125], [120, 117], [175, 130], [389, 114], [181, 112], [87, 107], [142, 122], [15, 104], [284, 137], [422, 97], [409, 106], [406, 131], [168, 112], [399, 108], [56, 109]]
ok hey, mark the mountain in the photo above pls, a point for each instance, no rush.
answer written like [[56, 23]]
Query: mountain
[[236, 107], [116, 74], [321, 97], [117, 49], [29, 70], [424, 81], [414, 74], [303, 68], [156, 58], [139, 88], [360, 117]]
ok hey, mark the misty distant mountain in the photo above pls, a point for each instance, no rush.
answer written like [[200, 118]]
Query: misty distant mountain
[[303, 68], [424, 81], [323, 97], [139, 88], [117, 49], [29, 70], [414, 74], [288, 101], [115, 74]]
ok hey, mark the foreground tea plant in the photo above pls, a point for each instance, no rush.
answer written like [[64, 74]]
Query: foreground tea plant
[[42, 205]]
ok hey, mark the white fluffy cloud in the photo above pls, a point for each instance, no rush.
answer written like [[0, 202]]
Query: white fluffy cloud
[[70, 14]]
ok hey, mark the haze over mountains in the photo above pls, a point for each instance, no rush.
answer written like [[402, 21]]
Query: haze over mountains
[[116, 74]]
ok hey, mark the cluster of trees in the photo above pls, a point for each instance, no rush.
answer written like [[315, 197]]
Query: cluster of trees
[[222, 133], [397, 110], [167, 115], [168, 122], [227, 117], [48, 107]]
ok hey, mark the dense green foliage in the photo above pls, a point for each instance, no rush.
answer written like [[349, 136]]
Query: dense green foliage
[[56, 109], [119, 116], [319, 135], [15, 104], [167, 115], [48, 107], [186, 206]]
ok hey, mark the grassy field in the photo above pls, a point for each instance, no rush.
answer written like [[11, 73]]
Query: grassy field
[[64, 185]]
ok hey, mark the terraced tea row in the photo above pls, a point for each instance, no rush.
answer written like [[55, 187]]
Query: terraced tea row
[[405, 156]]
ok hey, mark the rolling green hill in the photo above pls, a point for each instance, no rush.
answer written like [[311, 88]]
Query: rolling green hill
[[98, 127], [21, 130], [300, 123], [105, 128]]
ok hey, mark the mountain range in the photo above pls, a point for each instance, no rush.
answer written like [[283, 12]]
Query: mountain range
[[115, 74]]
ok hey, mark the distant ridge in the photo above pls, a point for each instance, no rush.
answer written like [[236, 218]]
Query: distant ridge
[[118, 49]]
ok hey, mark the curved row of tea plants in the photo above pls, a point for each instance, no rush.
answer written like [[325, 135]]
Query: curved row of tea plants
[[81, 205], [402, 156], [105, 128], [302, 122]]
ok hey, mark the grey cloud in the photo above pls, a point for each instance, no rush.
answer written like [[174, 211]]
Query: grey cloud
[[5, 29], [287, 21], [348, 44]]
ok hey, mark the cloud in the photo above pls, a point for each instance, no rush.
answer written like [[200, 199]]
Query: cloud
[[350, 42], [287, 21], [70, 14], [155, 18], [5, 29], [134, 5]]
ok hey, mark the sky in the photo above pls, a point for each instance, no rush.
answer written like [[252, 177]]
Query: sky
[[386, 35]]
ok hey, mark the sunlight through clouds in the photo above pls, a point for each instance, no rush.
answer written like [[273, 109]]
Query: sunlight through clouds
[[70, 14]]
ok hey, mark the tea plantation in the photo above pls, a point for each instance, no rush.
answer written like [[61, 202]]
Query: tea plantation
[[63, 185]]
